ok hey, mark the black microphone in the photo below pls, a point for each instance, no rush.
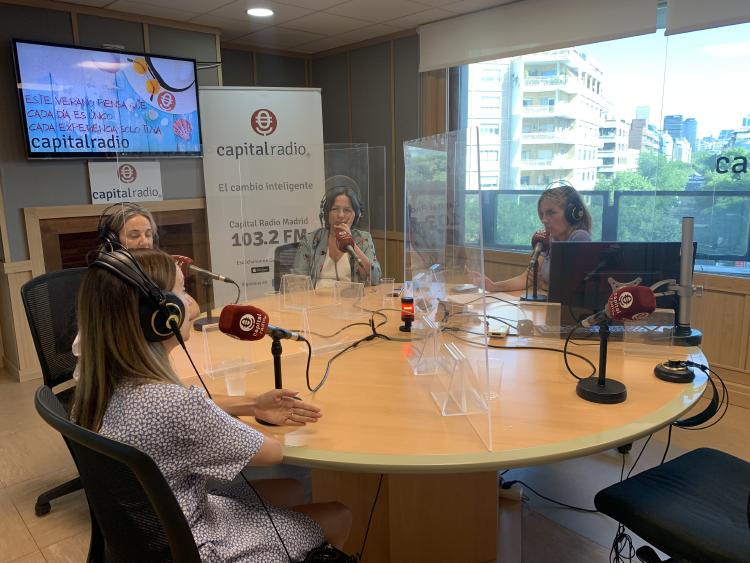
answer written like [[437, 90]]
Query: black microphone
[[186, 261], [213, 276], [608, 256]]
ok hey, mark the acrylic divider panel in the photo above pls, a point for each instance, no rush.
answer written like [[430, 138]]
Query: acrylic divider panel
[[335, 326], [443, 258], [224, 355], [296, 292]]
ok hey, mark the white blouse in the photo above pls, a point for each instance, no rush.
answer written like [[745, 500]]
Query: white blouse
[[331, 271]]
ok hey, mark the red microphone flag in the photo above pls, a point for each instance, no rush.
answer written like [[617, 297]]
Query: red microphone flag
[[631, 303], [540, 236], [343, 240], [243, 322]]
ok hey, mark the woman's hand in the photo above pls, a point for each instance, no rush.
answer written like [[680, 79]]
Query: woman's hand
[[477, 278], [343, 227], [279, 406]]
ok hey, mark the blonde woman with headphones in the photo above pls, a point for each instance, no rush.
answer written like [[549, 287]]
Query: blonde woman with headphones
[[131, 314], [565, 217]]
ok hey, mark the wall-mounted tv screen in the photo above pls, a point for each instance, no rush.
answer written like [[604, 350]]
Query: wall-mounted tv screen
[[82, 103]]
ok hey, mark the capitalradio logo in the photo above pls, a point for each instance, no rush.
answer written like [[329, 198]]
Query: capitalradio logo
[[263, 122], [127, 173], [247, 322], [626, 299]]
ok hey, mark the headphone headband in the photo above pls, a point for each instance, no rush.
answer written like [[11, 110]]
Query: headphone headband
[[161, 312]]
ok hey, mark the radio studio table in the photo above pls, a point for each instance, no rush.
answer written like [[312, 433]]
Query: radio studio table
[[438, 500]]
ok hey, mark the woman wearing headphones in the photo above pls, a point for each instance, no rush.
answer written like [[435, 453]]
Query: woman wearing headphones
[[128, 226], [131, 394], [566, 218], [319, 257]]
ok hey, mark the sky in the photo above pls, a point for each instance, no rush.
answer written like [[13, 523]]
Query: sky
[[702, 74]]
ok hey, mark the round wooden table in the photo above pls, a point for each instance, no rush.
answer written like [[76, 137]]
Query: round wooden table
[[438, 497]]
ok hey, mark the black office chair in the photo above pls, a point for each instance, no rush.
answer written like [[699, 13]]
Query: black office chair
[[283, 260], [694, 508], [50, 304], [134, 513]]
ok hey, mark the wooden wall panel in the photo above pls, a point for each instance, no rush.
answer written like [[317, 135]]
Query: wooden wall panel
[[434, 102], [19, 356], [722, 319]]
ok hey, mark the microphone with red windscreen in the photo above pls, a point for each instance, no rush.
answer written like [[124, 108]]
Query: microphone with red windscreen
[[628, 303], [246, 322], [186, 264], [345, 243], [539, 244]]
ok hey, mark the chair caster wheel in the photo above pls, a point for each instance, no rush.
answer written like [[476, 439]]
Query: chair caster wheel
[[40, 509]]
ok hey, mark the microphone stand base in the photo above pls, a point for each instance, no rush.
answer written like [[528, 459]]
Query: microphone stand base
[[687, 337], [537, 299], [198, 324], [610, 393]]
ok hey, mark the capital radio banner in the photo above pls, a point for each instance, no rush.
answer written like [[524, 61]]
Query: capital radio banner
[[264, 179], [135, 180]]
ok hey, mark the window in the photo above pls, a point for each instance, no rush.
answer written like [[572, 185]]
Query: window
[[488, 182], [489, 102], [491, 77], [604, 129]]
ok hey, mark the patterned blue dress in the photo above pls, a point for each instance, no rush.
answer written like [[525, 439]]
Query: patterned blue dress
[[192, 440]]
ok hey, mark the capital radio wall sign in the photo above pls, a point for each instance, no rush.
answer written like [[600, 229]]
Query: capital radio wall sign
[[130, 180], [264, 179]]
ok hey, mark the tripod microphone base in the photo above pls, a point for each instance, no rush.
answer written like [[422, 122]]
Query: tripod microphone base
[[198, 324], [537, 299], [610, 393]]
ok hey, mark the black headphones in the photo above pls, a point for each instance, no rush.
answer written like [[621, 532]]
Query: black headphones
[[331, 195], [109, 238], [678, 371], [161, 312]]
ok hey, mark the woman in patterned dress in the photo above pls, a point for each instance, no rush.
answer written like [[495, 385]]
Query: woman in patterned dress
[[128, 392]]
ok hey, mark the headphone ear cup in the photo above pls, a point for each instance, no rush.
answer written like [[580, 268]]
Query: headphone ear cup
[[157, 320], [573, 213], [107, 237]]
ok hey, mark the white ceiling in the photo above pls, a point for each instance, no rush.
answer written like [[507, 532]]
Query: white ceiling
[[303, 26]]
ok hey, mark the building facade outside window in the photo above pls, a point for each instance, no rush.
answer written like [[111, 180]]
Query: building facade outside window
[[647, 127]]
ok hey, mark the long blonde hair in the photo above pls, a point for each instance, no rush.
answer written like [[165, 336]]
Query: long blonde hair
[[113, 348]]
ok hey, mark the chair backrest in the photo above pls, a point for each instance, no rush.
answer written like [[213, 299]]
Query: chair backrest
[[134, 507], [283, 260], [50, 304]]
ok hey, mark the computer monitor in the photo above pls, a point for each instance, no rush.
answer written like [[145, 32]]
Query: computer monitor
[[580, 273]]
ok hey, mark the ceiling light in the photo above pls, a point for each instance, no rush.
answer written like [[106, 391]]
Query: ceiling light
[[260, 12]]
